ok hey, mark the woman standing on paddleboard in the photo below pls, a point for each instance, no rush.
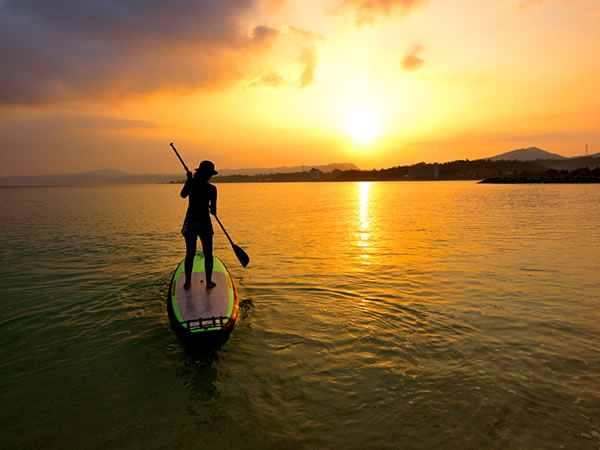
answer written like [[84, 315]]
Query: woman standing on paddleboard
[[202, 199]]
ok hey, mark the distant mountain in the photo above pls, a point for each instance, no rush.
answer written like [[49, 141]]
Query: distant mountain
[[112, 176], [526, 154], [106, 176], [106, 173], [595, 155], [263, 171]]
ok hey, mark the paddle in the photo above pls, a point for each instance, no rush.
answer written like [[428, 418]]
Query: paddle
[[242, 256]]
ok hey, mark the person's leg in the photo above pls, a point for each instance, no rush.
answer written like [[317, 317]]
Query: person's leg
[[207, 244], [190, 252]]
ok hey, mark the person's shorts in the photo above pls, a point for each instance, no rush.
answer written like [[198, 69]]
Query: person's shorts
[[198, 228]]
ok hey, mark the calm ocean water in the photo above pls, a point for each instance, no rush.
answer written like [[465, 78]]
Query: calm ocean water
[[373, 315]]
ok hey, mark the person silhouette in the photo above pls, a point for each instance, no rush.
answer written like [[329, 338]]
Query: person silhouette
[[197, 224]]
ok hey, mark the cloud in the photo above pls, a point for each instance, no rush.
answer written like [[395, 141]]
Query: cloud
[[273, 79], [262, 34], [365, 11], [47, 143], [309, 56], [73, 49], [412, 61], [62, 121], [309, 59], [306, 34], [291, 40]]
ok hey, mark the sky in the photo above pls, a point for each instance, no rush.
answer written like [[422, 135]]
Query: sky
[[88, 85]]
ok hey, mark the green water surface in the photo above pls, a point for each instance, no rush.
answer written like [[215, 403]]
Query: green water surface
[[382, 315]]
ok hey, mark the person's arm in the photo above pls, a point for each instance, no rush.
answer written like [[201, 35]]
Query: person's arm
[[213, 202], [185, 190]]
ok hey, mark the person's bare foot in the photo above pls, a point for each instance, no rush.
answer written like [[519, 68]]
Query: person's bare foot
[[210, 284]]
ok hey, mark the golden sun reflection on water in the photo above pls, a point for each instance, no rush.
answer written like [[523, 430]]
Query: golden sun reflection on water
[[363, 221]]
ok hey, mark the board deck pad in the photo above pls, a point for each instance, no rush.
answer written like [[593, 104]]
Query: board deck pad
[[199, 310], [199, 302]]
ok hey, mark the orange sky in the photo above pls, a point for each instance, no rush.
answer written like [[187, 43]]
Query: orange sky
[[270, 83]]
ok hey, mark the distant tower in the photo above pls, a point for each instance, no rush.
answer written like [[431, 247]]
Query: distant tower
[[586, 150]]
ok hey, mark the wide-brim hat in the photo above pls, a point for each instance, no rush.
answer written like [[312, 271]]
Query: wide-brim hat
[[207, 167]]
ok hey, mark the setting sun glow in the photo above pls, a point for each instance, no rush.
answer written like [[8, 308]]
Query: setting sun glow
[[362, 126]]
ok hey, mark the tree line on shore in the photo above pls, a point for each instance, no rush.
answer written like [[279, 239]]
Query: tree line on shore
[[577, 169]]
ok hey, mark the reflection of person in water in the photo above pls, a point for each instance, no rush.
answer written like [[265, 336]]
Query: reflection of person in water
[[197, 223]]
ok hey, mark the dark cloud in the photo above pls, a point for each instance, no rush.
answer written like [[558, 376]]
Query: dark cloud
[[50, 143], [366, 10], [264, 34], [72, 122], [64, 49], [412, 61]]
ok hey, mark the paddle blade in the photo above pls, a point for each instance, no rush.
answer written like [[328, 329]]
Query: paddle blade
[[241, 255]]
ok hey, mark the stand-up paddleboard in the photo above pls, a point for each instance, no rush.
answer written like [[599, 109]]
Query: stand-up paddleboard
[[199, 312]]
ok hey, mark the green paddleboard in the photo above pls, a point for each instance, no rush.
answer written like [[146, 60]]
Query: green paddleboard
[[201, 312]]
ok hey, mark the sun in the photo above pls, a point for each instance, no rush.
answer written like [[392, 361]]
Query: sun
[[362, 125]]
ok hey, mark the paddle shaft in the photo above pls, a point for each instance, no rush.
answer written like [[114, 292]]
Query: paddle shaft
[[224, 231], [242, 256], [181, 160]]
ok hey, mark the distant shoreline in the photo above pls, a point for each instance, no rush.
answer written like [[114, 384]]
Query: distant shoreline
[[578, 176], [538, 180], [578, 170], [499, 172]]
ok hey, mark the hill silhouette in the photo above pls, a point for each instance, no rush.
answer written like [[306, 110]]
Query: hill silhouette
[[526, 154], [285, 169]]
